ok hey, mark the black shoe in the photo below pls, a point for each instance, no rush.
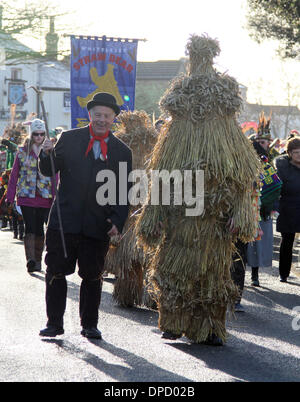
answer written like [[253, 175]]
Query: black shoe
[[254, 277], [91, 332], [283, 279], [30, 266], [37, 267], [213, 340], [170, 335], [52, 331], [255, 282]]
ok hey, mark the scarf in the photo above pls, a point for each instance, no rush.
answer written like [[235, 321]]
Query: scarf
[[94, 138]]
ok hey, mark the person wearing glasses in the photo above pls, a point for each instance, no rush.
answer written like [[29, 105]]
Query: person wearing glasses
[[34, 193]]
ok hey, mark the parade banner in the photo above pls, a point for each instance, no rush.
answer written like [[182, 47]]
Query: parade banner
[[101, 65]]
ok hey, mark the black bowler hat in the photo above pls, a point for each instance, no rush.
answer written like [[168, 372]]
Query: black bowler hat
[[104, 99]]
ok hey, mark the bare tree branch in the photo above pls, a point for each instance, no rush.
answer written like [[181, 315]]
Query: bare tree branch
[[279, 20], [31, 20]]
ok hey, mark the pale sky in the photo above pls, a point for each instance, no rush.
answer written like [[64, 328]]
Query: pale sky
[[167, 25]]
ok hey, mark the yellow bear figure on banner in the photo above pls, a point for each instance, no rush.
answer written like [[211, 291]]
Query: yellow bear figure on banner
[[104, 83]]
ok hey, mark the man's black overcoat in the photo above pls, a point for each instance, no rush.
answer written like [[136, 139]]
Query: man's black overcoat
[[78, 186]]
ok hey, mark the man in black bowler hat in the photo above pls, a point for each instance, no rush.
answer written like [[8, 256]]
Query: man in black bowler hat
[[79, 155]]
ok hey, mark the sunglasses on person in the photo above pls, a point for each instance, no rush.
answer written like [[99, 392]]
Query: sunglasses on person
[[38, 134]]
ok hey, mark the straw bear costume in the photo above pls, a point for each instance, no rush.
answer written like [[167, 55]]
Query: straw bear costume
[[191, 259]]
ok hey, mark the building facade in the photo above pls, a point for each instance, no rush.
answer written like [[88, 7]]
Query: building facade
[[17, 75], [53, 79], [283, 118]]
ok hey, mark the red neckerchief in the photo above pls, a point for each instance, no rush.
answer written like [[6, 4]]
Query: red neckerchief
[[97, 138]]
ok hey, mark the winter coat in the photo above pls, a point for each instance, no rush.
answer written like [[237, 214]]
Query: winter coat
[[288, 220], [78, 187], [30, 179], [31, 187]]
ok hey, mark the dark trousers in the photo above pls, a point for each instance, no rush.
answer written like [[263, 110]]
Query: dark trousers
[[34, 219], [286, 254], [238, 267], [17, 223], [90, 254]]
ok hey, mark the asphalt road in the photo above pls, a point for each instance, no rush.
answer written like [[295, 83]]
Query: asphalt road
[[264, 345]]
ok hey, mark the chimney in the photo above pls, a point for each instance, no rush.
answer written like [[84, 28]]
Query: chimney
[[1, 13], [52, 41]]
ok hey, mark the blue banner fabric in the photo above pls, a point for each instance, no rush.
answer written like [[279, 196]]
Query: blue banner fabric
[[101, 65]]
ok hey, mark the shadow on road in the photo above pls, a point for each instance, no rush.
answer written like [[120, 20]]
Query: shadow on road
[[244, 361], [139, 369], [140, 315], [268, 319]]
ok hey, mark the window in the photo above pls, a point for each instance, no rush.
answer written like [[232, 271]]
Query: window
[[67, 99], [16, 74]]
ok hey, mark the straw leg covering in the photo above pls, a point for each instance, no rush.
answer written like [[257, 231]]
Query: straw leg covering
[[126, 262], [128, 290], [193, 287]]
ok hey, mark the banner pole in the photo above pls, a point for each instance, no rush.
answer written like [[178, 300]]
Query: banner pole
[[106, 37]]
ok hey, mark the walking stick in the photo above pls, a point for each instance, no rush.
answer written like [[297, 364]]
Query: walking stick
[[53, 172]]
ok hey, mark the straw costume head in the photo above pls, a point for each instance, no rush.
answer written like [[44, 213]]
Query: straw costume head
[[190, 268]]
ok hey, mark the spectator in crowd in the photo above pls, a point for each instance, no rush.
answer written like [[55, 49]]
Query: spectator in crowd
[[260, 252], [288, 221], [4, 212], [34, 193], [238, 272]]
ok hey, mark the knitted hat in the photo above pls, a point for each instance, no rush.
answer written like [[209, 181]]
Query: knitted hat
[[35, 125]]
